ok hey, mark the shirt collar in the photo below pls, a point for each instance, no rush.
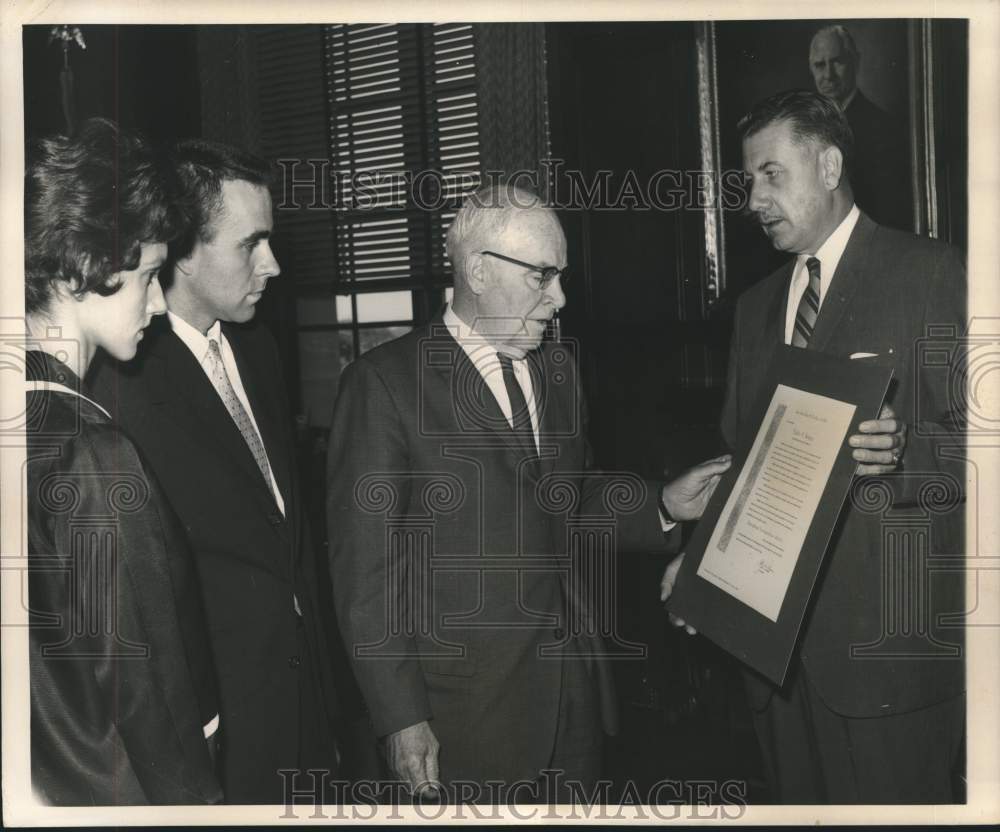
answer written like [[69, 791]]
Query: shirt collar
[[192, 338], [478, 349], [467, 336], [832, 250], [849, 100]]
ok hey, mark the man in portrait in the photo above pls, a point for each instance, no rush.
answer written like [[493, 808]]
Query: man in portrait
[[881, 175]]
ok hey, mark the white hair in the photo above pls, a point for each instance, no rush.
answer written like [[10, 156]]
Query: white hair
[[483, 217], [842, 34]]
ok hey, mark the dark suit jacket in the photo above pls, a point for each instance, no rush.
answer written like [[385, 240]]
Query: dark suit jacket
[[250, 559], [889, 288], [121, 678], [881, 177], [423, 464]]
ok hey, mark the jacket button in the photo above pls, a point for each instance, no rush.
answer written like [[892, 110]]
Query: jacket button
[[275, 518], [294, 662], [559, 633]]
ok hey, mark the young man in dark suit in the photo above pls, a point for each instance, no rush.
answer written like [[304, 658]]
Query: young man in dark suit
[[458, 466], [874, 709], [207, 407]]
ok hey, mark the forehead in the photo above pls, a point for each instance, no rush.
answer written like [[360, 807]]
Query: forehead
[[245, 208], [152, 254], [827, 45], [774, 143], [536, 232]]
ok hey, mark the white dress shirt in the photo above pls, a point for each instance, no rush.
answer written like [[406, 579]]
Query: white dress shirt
[[198, 344], [829, 255], [483, 356]]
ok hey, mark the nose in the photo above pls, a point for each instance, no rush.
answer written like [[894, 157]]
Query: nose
[[758, 199], [267, 266], [156, 304], [554, 294]]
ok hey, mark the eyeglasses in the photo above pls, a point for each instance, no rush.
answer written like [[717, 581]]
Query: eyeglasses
[[545, 276]]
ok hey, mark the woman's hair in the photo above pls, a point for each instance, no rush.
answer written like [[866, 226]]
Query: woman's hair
[[90, 201]]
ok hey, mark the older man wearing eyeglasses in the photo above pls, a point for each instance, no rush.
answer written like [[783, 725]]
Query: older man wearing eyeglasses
[[471, 541]]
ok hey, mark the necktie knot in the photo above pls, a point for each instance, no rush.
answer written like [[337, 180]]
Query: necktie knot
[[213, 349], [813, 265]]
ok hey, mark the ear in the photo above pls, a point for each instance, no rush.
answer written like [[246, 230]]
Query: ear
[[184, 266], [831, 162], [475, 273]]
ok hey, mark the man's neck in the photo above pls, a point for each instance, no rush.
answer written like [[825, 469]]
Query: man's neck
[[180, 305], [841, 209]]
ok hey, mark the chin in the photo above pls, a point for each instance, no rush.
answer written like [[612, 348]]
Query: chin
[[123, 352]]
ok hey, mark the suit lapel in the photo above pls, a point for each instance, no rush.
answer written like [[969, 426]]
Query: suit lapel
[[263, 407], [777, 309], [476, 408], [849, 274], [551, 419], [185, 389]]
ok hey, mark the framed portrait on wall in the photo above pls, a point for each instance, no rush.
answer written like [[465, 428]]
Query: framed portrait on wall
[[901, 83]]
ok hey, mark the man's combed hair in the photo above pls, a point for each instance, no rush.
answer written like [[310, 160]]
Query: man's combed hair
[[813, 117], [202, 166], [484, 216], [90, 201]]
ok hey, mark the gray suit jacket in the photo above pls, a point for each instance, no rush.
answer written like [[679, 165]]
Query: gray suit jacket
[[442, 545], [875, 641]]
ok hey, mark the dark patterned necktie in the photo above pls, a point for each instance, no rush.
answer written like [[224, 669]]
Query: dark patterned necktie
[[220, 379], [805, 317], [521, 418]]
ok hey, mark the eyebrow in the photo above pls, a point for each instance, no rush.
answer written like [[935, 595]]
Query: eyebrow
[[763, 165], [255, 237]]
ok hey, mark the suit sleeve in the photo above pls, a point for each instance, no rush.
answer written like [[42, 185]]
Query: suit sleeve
[[366, 468], [936, 409]]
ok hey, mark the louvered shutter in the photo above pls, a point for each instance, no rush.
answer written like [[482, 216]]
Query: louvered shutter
[[404, 142], [293, 127]]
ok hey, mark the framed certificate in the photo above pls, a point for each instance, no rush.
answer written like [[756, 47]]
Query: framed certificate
[[752, 562]]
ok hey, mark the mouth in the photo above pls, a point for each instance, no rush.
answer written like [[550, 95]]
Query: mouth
[[769, 224]]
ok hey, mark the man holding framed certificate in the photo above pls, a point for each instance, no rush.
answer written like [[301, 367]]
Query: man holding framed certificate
[[872, 707]]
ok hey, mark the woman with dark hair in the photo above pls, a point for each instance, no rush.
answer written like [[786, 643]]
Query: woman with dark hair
[[124, 708]]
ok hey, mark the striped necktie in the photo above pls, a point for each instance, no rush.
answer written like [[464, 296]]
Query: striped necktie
[[224, 387], [805, 317]]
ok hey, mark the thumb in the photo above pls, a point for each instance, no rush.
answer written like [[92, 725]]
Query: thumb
[[433, 773], [670, 576]]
